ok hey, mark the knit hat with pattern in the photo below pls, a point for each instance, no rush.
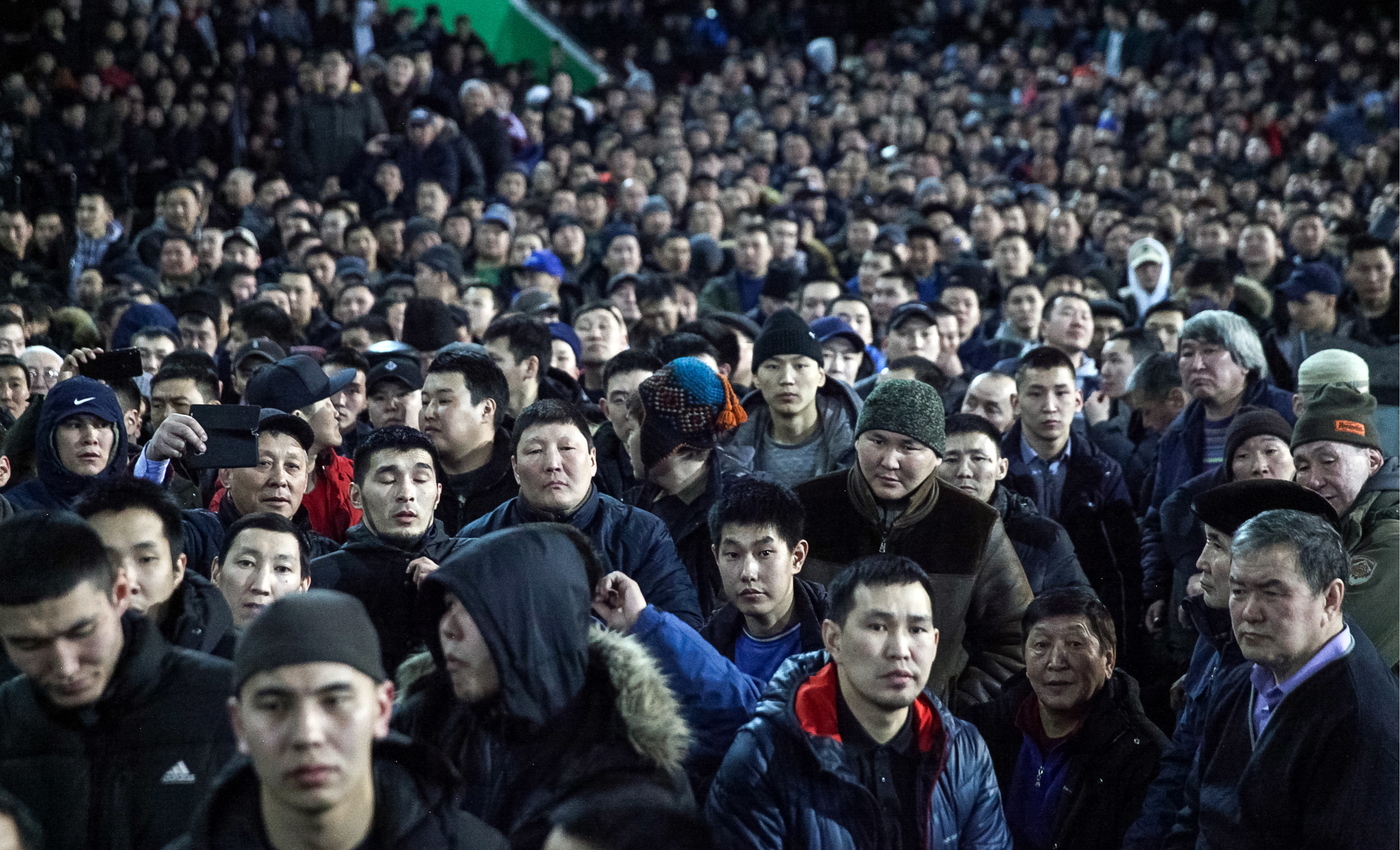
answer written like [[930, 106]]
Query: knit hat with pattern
[[685, 405]]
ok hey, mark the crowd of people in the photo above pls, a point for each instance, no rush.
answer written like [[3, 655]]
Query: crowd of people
[[966, 424]]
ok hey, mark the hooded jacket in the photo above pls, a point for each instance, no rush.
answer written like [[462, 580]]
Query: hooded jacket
[[203, 622], [786, 783], [1111, 758], [581, 714], [472, 495], [838, 408], [624, 538], [1371, 530], [374, 570], [126, 772], [980, 587], [1041, 544], [55, 487], [414, 806]]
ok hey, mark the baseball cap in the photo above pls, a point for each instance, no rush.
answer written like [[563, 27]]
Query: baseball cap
[[260, 347], [293, 383], [348, 267], [444, 258], [1146, 251], [833, 327], [1311, 277], [622, 278], [543, 261], [534, 302], [241, 234], [405, 370], [420, 117], [499, 214], [910, 310], [273, 419]]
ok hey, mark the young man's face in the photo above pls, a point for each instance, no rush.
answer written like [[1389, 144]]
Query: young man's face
[[154, 350], [620, 388], [1166, 324], [889, 294], [398, 494], [262, 567], [14, 389], [1070, 326], [175, 396], [973, 464], [885, 648], [1024, 305], [789, 383], [394, 403], [276, 484], [517, 372], [1046, 401], [84, 444], [554, 466], [349, 403], [815, 297], [757, 567], [308, 730], [841, 359], [136, 544], [894, 465], [602, 335], [470, 666], [913, 336], [450, 419], [857, 315], [1313, 312], [1115, 367], [68, 647]]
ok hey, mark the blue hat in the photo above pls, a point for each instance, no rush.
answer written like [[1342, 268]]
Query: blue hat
[[566, 334], [831, 327], [543, 261], [1311, 277], [499, 214], [351, 267], [139, 316]]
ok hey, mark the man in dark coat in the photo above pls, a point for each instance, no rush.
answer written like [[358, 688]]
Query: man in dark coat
[[1072, 748], [140, 525], [848, 749], [464, 403], [342, 774], [554, 462], [484, 129], [112, 736], [397, 541], [891, 502], [1299, 747], [541, 712], [329, 128]]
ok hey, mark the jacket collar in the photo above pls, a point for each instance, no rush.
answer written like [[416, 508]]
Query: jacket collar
[[580, 518], [136, 675], [1210, 623]]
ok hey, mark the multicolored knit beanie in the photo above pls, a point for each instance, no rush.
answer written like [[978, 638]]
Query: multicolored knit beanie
[[685, 405]]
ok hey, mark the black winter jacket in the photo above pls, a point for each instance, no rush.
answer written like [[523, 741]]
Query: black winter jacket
[[203, 621], [127, 772], [414, 807], [326, 133], [689, 527], [472, 495], [614, 476], [1112, 758], [808, 609], [375, 571], [1045, 550]]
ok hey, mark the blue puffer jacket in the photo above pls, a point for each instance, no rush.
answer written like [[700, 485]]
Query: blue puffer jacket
[[626, 538], [1184, 441], [785, 783]]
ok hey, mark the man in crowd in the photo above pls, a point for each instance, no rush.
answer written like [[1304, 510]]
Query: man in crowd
[[602, 336], [65, 623], [992, 396], [263, 558], [624, 373], [311, 710], [464, 405], [394, 393]]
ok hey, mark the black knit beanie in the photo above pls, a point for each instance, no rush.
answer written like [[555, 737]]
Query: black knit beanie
[[1254, 422], [305, 628], [785, 333]]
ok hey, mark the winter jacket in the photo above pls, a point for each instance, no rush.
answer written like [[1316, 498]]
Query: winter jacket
[[488, 135], [328, 507], [472, 495], [1179, 456], [127, 771], [437, 162], [1323, 774], [1134, 446], [625, 538], [414, 806], [582, 714], [317, 543], [202, 620], [1097, 512], [54, 486], [375, 571], [785, 783], [689, 527], [838, 408], [1216, 654], [1110, 759], [1042, 545], [1371, 530], [808, 610], [615, 475], [1172, 539], [326, 132], [980, 589]]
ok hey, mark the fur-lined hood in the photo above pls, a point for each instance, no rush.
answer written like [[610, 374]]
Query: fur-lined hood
[[1254, 296], [649, 710]]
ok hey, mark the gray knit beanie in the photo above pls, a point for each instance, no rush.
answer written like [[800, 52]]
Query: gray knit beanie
[[911, 408]]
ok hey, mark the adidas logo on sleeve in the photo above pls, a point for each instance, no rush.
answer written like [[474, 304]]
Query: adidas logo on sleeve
[[178, 774]]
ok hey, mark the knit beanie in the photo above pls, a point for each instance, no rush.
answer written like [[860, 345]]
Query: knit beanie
[[685, 405], [785, 333], [911, 408], [1332, 366], [306, 628], [1255, 422], [1338, 414]]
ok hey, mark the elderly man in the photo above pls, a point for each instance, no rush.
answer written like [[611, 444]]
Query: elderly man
[[1072, 748], [891, 502], [1337, 454], [1299, 745]]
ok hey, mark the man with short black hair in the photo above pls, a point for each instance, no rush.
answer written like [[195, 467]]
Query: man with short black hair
[[310, 710], [263, 558], [623, 374], [849, 749], [523, 349], [464, 411], [141, 530], [156, 712], [14, 388]]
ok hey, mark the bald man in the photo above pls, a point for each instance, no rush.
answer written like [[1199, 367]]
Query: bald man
[[992, 396]]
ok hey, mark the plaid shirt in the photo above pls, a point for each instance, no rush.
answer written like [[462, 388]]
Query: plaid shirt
[[89, 253]]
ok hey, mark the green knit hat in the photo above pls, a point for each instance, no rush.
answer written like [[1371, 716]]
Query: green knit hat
[[1338, 413], [911, 408]]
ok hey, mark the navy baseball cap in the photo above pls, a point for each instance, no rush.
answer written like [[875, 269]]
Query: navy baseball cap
[[294, 383], [912, 309], [1311, 277], [833, 327]]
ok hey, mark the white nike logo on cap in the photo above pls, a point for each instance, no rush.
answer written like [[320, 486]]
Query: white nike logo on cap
[[83, 400]]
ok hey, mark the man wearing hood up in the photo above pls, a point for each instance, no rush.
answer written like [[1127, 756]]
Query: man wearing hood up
[[80, 439], [542, 713]]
